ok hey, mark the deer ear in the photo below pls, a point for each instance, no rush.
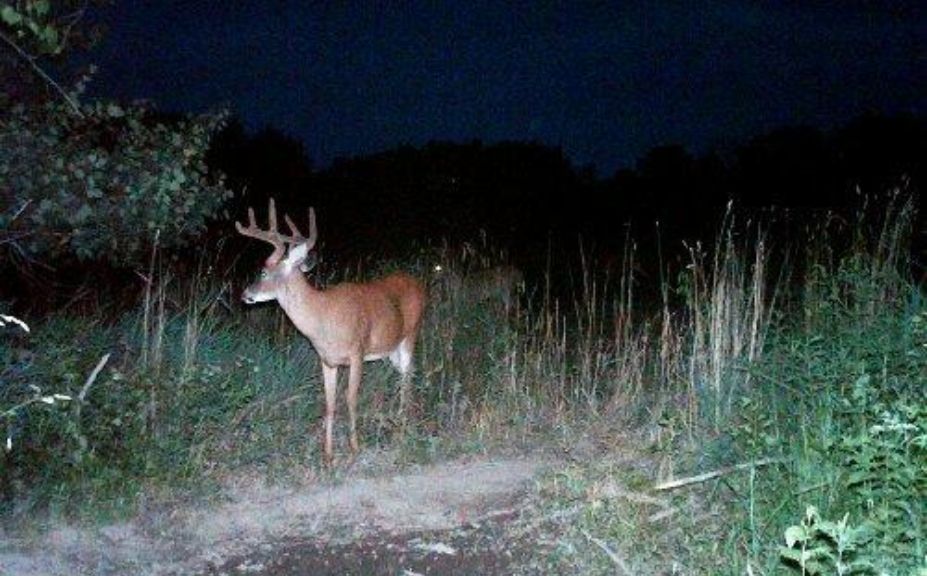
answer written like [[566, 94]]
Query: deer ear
[[312, 259], [296, 256]]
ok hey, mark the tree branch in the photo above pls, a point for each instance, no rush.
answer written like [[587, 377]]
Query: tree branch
[[41, 73]]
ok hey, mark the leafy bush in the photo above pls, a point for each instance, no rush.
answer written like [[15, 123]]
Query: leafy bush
[[95, 180], [35, 24], [862, 433], [104, 185], [816, 545]]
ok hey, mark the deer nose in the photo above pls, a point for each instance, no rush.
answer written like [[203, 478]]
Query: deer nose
[[247, 297]]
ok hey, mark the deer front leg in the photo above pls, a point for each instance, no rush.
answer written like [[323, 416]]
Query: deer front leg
[[330, 381], [354, 379]]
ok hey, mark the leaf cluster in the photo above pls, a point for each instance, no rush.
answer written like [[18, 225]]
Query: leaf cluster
[[46, 28], [104, 185]]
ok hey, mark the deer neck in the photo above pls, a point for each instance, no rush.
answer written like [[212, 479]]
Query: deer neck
[[301, 303]]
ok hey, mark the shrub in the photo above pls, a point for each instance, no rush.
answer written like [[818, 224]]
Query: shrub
[[105, 185]]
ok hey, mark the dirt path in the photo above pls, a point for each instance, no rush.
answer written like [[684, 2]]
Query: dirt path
[[441, 519]]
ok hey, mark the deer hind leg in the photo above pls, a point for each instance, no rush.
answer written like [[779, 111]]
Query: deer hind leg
[[401, 358], [354, 380], [330, 380]]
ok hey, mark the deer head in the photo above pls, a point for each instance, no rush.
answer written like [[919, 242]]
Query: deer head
[[291, 256]]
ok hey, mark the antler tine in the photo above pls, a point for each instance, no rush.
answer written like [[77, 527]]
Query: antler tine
[[297, 236], [271, 236], [313, 232], [272, 211], [252, 223], [254, 232]]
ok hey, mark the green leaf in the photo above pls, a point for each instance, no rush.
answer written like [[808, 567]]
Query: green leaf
[[829, 529], [39, 7], [50, 37], [795, 534], [10, 16]]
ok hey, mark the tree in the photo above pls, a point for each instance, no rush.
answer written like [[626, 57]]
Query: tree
[[92, 180]]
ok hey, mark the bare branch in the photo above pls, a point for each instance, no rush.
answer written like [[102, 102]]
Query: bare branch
[[14, 238], [42, 74], [21, 209], [70, 21], [715, 473], [92, 378]]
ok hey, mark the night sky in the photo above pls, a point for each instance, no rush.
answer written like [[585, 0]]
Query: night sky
[[606, 81]]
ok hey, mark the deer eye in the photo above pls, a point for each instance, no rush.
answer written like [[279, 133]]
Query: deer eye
[[265, 274]]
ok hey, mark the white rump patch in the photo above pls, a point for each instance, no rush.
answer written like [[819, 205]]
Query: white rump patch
[[401, 357]]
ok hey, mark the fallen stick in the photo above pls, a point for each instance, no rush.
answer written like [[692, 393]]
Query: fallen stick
[[714, 474], [612, 555], [93, 377], [662, 514]]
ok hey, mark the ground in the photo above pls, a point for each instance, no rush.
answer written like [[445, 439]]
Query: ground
[[450, 518]]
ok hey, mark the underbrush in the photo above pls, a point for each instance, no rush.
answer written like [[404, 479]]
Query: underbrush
[[820, 466], [840, 403], [747, 423], [168, 399], [821, 469]]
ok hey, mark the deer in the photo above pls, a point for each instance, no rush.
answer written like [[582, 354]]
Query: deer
[[347, 324]]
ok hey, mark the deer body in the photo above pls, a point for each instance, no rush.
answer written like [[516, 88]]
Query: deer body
[[347, 324]]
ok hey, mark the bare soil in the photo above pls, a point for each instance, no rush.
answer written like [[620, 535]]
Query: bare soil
[[449, 518]]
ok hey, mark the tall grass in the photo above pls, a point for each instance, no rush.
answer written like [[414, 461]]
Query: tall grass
[[818, 370], [809, 416], [199, 385]]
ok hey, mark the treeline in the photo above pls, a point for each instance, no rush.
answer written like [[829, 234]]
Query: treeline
[[526, 196]]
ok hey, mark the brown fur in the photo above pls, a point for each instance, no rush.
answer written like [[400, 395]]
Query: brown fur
[[346, 324]]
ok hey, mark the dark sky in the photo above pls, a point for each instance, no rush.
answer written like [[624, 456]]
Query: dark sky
[[606, 81]]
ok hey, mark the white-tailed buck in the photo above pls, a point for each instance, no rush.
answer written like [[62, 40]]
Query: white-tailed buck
[[499, 285], [347, 324]]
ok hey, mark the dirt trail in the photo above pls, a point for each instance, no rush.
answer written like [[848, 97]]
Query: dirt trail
[[270, 530]]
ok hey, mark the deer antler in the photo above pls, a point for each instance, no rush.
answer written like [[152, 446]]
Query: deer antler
[[273, 237], [297, 237]]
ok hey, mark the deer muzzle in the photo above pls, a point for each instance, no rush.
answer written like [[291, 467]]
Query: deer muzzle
[[248, 296]]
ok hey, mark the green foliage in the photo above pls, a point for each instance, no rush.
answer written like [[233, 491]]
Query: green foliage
[[193, 394], [167, 423], [95, 180], [845, 391], [32, 22], [105, 185], [823, 547], [885, 464], [849, 412], [868, 422]]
